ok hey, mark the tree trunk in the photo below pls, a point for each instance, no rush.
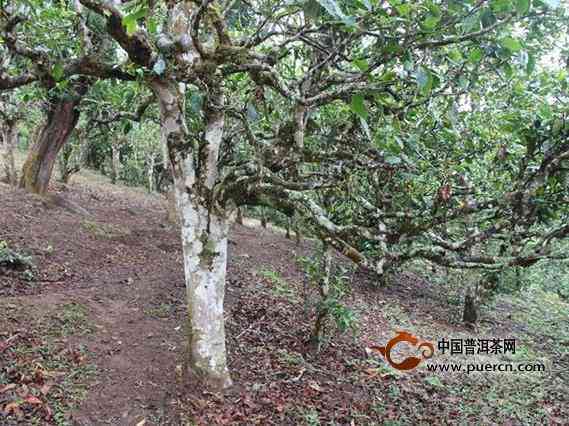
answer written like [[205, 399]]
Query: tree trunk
[[239, 218], [61, 120], [150, 172], [470, 313], [317, 336], [66, 165], [171, 208], [9, 142], [263, 218], [298, 236], [115, 162], [204, 228]]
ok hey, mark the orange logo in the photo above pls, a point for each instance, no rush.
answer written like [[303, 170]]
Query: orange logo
[[407, 363]]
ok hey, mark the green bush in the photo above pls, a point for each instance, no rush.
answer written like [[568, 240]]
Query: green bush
[[12, 259]]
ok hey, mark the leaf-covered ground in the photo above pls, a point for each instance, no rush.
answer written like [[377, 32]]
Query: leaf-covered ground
[[92, 334]]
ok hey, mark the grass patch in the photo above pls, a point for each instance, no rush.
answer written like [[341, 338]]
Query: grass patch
[[104, 230], [163, 310], [42, 378], [280, 287], [69, 319]]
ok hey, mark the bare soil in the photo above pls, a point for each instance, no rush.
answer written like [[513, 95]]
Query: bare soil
[[94, 333]]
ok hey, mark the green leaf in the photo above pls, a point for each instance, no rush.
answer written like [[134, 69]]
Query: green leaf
[[334, 9], [57, 72], [508, 70], [357, 105], [475, 55], [545, 112], [404, 9], [312, 9], [512, 44], [431, 22], [140, 13], [361, 64], [127, 127], [424, 80], [152, 25], [500, 6], [388, 76], [487, 18], [519, 88], [455, 55], [522, 6], [129, 23]]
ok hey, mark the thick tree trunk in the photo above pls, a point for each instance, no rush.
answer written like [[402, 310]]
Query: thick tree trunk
[[9, 143], [204, 228], [61, 120], [171, 208], [204, 238]]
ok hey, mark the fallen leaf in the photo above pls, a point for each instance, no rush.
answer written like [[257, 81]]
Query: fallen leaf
[[372, 372], [12, 407], [24, 390], [45, 388], [7, 387], [33, 400], [315, 386]]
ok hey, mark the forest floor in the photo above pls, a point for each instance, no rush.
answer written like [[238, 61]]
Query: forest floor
[[92, 334]]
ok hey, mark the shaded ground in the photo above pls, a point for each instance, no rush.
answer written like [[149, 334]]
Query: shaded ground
[[92, 335]]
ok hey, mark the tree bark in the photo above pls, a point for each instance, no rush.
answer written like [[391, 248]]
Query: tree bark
[[204, 228], [470, 313], [150, 172], [171, 207], [317, 336], [263, 218], [115, 162], [297, 234], [62, 118], [239, 218], [9, 142]]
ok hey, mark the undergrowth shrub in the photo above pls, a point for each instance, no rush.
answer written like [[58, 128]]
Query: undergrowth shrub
[[12, 259]]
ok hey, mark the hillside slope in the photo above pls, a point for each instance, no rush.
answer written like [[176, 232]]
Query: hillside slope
[[93, 333]]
